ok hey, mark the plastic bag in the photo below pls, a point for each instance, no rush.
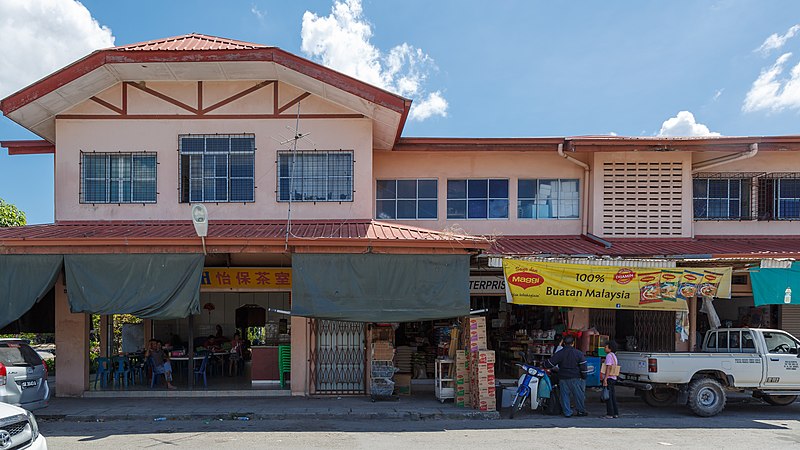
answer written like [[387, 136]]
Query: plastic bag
[[605, 395]]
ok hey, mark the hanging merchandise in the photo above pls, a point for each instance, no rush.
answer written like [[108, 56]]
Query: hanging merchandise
[[708, 308]]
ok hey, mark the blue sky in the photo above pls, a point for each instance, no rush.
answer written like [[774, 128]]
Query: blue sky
[[494, 69]]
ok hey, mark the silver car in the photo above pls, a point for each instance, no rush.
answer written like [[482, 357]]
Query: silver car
[[23, 375]]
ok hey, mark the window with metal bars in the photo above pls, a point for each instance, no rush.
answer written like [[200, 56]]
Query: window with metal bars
[[217, 168], [722, 196], [406, 199], [477, 199], [315, 176], [779, 196], [548, 199], [118, 177]]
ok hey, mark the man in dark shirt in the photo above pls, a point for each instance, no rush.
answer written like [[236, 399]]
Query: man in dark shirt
[[572, 371]]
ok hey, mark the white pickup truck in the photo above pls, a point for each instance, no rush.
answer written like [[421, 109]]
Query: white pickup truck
[[764, 362]]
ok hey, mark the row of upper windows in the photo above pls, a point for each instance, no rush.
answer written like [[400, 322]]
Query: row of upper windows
[[762, 197], [217, 168], [482, 198]]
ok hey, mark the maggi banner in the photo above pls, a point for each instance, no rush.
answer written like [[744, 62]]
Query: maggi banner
[[255, 279], [585, 286]]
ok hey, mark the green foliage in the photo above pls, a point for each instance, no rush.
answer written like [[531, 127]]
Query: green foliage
[[51, 366], [10, 215]]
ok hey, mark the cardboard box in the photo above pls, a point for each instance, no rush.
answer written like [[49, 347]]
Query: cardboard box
[[402, 383]]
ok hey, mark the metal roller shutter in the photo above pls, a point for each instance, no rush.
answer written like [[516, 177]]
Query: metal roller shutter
[[790, 319]]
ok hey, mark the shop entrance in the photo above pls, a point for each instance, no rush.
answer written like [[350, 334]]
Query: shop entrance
[[338, 358]]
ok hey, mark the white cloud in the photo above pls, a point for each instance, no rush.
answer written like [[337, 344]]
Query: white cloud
[[684, 125], [773, 91], [718, 94], [257, 12], [41, 36], [776, 41], [341, 41]]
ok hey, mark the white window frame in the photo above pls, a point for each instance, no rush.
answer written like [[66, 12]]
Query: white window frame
[[537, 200], [121, 158], [416, 199], [488, 199], [293, 156]]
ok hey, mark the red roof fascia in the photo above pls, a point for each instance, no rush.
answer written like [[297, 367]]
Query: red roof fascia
[[323, 231], [700, 246], [417, 144], [30, 147], [713, 144], [117, 56]]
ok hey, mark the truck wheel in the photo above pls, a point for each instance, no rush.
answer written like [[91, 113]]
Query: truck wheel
[[706, 397], [659, 397], [779, 400]]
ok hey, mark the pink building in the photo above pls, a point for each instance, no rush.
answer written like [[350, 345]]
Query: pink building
[[350, 223]]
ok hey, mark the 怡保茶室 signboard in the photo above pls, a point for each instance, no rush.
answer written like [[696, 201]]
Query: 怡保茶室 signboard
[[609, 287], [246, 278]]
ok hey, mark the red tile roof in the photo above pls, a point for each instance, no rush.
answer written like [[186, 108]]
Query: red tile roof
[[714, 246], [302, 231], [193, 41]]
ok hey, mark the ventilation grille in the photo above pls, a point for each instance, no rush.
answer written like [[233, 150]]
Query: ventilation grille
[[642, 198]]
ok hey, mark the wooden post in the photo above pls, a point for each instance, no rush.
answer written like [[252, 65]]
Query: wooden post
[[692, 323], [105, 346]]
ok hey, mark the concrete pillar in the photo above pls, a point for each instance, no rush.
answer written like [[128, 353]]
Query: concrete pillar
[[301, 356], [72, 346]]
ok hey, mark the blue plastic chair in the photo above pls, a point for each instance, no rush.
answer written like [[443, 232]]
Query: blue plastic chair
[[122, 370], [138, 371], [103, 371], [155, 372], [202, 371]]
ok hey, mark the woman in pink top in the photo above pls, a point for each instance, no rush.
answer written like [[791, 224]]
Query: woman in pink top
[[610, 381]]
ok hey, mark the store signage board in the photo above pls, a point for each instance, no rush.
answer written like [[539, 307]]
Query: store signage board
[[246, 278], [607, 287], [487, 285]]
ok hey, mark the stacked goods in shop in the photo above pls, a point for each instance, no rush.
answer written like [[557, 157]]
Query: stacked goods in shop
[[402, 358], [476, 334], [382, 350], [418, 364], [482, 381], [462, 378]]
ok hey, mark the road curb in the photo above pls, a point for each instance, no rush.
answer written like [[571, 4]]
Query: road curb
[[349, 415]]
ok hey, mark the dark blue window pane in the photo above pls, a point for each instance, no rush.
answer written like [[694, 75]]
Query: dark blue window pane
[[733, 209], [718, 188], [406, 189], [218, 145], [94, 191], [717, 208], [456, 209], [477, 189], [789, 188], [526, 189], [386, 190], [144, 191], [406, 209], [221, 164], [525, 209], [498, 188], [700, 208], [426, 209], [283, 189], [477, 209], [734, 188], [498, 209], [427, 189], [243, 144], [193, 145], [700, 186], [242, 190], [790, 209], [456, 189], [242, 165], [384, 209]]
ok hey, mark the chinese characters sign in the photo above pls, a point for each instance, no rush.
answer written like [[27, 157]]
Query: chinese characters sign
[[250, 278], [587, 286]]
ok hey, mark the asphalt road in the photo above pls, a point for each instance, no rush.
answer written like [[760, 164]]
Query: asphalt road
[[743, 425]]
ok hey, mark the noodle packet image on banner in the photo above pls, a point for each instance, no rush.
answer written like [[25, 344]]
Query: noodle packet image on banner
[[688, 287], [649, 288], [709, 285], [670, 279]]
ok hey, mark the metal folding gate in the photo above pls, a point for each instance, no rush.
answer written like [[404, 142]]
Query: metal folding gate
[[338, 363], [604, 321], [655, 330]]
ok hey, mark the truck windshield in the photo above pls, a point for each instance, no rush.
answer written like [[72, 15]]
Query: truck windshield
[[780, 343]]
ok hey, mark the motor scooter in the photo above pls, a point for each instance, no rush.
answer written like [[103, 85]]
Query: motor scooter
[[527, 387]]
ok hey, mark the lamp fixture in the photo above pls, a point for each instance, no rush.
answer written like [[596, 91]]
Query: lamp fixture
[[200, 221]]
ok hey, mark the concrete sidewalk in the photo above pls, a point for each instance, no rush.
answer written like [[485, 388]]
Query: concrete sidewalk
[[356, 408]]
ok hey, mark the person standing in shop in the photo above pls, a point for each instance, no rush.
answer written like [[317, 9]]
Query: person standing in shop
[[572, 372], [610, 381]]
